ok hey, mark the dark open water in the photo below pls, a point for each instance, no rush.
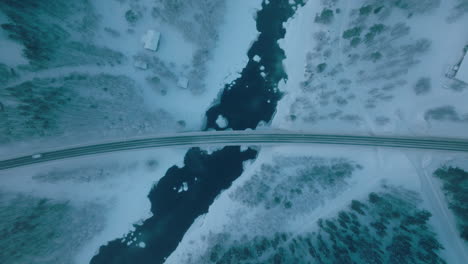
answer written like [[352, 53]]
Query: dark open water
[[244, 103]]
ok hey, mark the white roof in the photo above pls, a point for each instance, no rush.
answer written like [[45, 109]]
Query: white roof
[[462, 73], [183, 82], [151, 39]]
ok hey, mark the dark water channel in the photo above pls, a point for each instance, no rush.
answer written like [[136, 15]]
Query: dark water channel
[[250, 99]]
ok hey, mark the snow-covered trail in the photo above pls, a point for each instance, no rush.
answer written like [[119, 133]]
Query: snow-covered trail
[[442, 216], [439, 204]]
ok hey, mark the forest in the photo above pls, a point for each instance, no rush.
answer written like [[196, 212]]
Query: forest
[[77, 104], [389, 226], [455, 186]]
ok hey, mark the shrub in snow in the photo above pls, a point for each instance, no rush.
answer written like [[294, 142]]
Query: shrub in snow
[[445, 113], [132, 16], [422, 86], [325, 17], [459, 10], [352, 32], [417, 6], [365, 10]]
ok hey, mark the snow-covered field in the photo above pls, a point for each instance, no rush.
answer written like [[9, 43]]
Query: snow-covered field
[[374, 67]]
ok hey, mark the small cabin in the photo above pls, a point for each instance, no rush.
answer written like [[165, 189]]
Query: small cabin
[[151, 40], [141, 65], [183, 82]]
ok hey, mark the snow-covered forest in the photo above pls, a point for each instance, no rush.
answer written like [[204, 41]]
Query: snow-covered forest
[[295, 204], [78, 70], [376, 67], [74, 72], [455, 186]]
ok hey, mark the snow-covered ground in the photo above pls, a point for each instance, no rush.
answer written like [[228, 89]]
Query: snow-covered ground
[[427, 166], [362, 67], [115, 185], [201, 45], [373, 67], [178, 50], [108, 191], [288, 189]]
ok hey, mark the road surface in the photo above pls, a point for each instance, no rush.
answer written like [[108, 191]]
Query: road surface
[[237, 138]]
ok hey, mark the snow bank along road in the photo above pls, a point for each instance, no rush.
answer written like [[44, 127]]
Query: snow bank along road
[[270, 137]]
